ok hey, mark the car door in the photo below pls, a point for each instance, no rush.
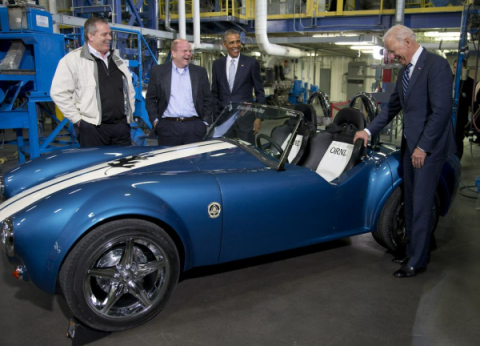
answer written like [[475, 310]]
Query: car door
[[266, 211]]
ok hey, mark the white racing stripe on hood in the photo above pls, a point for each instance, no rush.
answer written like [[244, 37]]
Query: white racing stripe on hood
[[105, 169]]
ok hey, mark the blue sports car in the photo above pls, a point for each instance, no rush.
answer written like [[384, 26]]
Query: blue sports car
[[112, 228]]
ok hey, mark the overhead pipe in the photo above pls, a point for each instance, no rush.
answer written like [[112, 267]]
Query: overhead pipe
[[262, 39], [167, 17], [51, 6], [196, 31], [400, 12], [182, 21]]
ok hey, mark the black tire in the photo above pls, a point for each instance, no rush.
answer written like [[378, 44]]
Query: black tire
[[120, 275], [390, 232]]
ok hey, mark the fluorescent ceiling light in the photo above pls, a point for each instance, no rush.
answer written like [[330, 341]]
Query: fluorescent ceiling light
[[354, 43], [363, 47], [335, 35], [447, 38], [440, 34]]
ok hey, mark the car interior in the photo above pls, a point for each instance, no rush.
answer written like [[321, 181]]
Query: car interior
[[329, 153], [332, 152], [308, 127]]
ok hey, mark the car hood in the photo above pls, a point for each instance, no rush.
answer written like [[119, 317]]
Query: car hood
[[39, 179]]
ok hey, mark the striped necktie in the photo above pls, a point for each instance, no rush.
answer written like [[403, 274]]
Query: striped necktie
[[231, 75], [405, 80]]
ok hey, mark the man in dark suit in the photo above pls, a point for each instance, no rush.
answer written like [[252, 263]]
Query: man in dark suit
[[179, 102], [234, 77], [424, 92]]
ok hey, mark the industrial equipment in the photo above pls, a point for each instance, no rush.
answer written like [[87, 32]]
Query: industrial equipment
[[29, 53], [299, 92], [357, 71]]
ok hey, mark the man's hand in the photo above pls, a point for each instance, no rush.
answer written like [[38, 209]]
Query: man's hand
[[418, 158], [257, 126], [363, 135]]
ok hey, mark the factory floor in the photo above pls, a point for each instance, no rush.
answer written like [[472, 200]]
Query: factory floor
[[337, 293]]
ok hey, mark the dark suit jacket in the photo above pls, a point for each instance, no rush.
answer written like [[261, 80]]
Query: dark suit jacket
[[247, 78], [427, 109], [158, 92]]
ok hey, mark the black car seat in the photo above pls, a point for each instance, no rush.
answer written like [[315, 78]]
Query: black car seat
[[281, 134], [332, 152]]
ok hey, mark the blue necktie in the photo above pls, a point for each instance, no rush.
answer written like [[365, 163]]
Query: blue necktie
[[231, 75], [405, 80]]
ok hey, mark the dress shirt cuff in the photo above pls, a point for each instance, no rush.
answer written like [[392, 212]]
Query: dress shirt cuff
[[368, 131]]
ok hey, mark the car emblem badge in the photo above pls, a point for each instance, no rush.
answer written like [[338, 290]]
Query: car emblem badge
[[214, 209]]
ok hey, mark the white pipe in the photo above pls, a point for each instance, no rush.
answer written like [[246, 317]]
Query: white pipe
[[262, 38], [196, 31], [182, 21], [399, 12], [51, 6]]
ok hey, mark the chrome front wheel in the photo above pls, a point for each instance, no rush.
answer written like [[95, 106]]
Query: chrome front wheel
[[120, 275]]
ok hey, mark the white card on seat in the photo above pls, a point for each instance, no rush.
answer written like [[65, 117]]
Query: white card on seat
[[295, 147], [335, 160]]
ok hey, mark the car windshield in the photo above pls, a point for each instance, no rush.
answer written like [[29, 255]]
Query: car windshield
[[267, 131]]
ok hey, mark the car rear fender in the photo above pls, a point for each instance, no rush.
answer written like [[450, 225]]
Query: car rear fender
[[390, 164]]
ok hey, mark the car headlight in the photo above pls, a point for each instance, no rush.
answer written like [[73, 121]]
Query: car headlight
[[6, 236]]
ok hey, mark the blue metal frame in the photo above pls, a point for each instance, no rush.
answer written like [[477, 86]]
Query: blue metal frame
[[26, 89], [462, 48]]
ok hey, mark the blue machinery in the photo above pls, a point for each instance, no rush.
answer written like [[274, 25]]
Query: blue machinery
[[29, 54], [299, 93]]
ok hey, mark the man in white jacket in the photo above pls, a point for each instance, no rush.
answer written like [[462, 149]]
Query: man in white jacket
[[93, 89]]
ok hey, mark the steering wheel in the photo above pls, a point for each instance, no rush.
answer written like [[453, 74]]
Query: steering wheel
[[269, 140]]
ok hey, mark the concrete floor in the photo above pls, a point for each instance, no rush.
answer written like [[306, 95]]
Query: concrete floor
[[337, 293]]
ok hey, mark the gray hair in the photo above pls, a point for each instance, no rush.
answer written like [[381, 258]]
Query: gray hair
[[90, 26], [400, 33], [229, 32]]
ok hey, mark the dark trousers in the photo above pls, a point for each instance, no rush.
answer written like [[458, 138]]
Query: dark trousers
[[177, 133], [420, 185], [105, 134]]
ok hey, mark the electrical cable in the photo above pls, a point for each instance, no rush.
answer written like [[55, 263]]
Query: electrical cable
[[468, 187]]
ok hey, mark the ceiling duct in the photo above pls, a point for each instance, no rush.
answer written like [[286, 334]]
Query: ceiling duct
[[196, 31], [262, 39], [399, 12], [182, 22]]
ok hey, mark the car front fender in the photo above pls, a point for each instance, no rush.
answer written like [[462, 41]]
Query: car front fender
[[47, 231]]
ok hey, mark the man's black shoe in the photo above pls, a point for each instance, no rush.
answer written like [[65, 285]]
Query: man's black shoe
[[400, 260], [408, 272]]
